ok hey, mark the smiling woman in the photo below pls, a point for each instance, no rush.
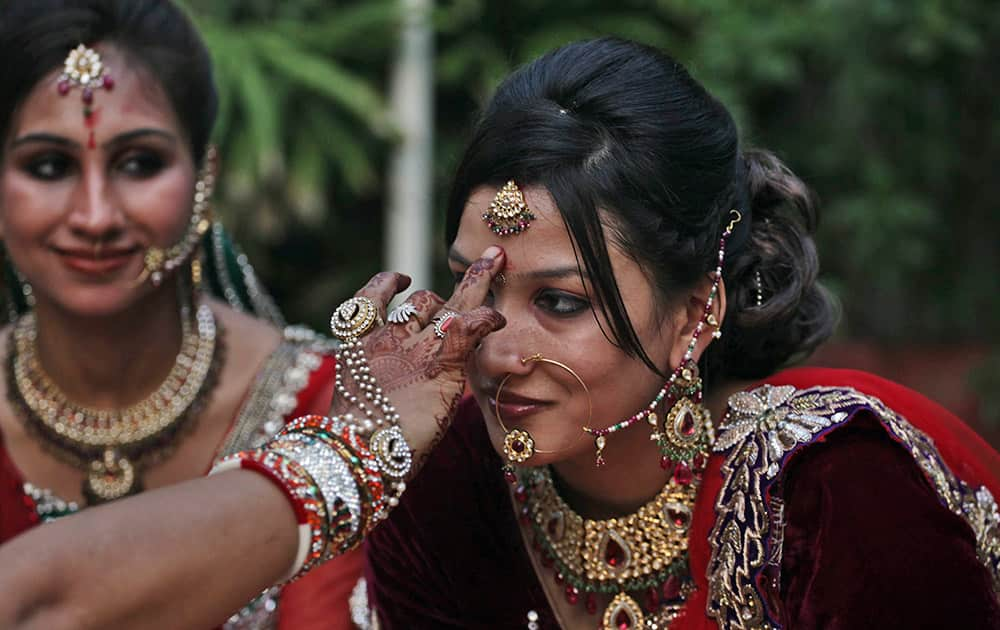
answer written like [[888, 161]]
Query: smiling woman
[[118, 378]]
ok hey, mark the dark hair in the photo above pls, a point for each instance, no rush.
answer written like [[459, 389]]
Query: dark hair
[[620, 127], [36, 36]]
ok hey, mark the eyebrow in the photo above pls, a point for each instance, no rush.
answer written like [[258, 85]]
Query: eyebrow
[[48, 138], [538, 274]]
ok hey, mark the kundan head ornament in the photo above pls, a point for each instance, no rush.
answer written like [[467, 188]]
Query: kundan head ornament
[[508, 213], [84, 69]]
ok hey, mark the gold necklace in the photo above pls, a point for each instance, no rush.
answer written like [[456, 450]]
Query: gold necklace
[[113, 445], [645, 551]]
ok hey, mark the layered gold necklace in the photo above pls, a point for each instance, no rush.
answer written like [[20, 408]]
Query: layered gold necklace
[[113, 446], [643, 553]]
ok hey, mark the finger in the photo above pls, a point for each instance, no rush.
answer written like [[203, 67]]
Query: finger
[[382, 287], [426, 305], [466, 331], [471, 292]]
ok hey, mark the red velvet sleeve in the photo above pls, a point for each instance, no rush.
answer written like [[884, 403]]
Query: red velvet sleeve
[[868, 544]]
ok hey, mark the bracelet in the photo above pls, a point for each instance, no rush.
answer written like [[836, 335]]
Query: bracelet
[[303, 495]]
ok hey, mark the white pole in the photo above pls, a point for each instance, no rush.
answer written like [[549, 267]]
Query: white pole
[[410, 177]]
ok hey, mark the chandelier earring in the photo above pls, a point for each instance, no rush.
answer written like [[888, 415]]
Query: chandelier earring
[[681, 395], [519, 445], [157, 262]]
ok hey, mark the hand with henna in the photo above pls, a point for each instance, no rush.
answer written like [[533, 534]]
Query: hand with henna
[[422, 374]]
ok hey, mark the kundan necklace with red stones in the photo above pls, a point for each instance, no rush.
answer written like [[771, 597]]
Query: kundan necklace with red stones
[[643, 552]]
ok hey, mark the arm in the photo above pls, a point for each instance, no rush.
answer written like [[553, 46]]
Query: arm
[[190, 555]]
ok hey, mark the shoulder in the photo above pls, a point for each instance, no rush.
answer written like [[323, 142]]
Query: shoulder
[[786, 419], [281, 373]]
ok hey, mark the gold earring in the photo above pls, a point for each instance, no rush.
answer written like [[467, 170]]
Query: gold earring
[[518, 444], [157, 262]]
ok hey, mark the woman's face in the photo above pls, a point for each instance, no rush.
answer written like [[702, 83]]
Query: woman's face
[[544, 300], [77, 217]]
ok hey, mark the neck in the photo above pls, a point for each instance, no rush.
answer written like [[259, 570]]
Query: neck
[[632, 475], [110, 361]]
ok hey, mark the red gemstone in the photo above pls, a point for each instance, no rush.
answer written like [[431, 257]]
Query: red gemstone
[[677, 517], [591, 604], [623, 621], [88, 96], [521, 494], [510, 476], [682, 474], [572, 594], [614, 555], [560, 579], [518, 446], [63, 87], [666, 463], [687, 423], [652, 598], [525, 515], [547, 560], [699, 462], [671, 588], [109, 83]]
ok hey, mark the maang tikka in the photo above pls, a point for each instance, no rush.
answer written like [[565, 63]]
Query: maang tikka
[[84, 69], [686, 433], [519, 445], [158, 262], [508, 213]]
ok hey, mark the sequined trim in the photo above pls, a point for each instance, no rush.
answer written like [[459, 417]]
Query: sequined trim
[[362, 615], [763, 428], [275, 393]]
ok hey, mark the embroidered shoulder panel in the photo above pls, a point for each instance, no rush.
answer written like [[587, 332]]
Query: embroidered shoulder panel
[[763, 428], [274, 394]]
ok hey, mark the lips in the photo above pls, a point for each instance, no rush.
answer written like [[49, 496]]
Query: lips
[[513, 405], [96, 262]]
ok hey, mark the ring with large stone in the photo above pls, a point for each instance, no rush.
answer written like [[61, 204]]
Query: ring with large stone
[[402, 313], [442, 321], [354, 318]]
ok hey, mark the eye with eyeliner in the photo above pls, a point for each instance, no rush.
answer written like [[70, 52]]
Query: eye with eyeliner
[[48, 166], [560, 303], [140, 164]]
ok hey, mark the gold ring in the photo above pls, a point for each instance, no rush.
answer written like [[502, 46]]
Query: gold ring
[[354, 318]]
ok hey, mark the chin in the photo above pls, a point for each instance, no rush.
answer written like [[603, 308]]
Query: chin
[[94, 302]]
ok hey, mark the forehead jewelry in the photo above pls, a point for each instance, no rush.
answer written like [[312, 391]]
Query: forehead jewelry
[[518, 444], [84, 69], [683, 373], [508, 213]]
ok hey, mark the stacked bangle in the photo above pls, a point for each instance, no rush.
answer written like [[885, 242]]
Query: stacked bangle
[[341, 475], [302, 493]]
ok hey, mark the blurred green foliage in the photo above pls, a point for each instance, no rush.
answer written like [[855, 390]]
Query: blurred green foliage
[[888, 108]]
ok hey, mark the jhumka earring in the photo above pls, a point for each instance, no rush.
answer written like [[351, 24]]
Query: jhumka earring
[[518, 444], [508, 213], [84, 69], [158, 262], [687, 432]]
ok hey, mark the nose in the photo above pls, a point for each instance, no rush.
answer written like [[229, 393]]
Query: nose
[[95, 213], [500, 353]]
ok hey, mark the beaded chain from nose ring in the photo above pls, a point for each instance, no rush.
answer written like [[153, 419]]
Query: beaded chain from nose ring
[[519, 445], [684, 371]]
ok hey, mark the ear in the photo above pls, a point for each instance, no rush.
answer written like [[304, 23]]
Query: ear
[[691, 315]]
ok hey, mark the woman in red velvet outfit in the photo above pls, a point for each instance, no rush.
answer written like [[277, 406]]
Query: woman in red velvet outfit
[[87, 183], [630, 282]]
